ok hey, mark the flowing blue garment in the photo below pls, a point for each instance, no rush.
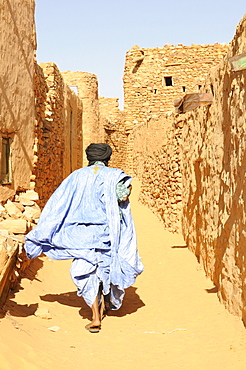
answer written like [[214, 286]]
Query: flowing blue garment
[[82, 221]]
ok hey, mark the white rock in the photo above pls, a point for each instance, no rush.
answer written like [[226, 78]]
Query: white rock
[[12, 210], [54, 328], [43, 313]]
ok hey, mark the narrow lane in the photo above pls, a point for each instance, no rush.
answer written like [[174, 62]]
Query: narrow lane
[[170, 319]]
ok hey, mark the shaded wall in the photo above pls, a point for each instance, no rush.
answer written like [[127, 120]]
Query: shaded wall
[[17, 111], [17, 122]]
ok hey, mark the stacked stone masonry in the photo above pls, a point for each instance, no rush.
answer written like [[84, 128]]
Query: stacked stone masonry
[[112, 121], [86, 86], [154, 78], [58, 134], [157, 163], [153, 132]]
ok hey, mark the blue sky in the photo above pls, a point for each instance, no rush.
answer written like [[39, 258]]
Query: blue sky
[[94, 35]]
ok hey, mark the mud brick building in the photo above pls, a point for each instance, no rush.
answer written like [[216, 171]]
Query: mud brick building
[[154, 78]]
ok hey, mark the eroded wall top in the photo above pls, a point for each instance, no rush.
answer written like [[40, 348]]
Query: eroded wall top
[[86, 86]]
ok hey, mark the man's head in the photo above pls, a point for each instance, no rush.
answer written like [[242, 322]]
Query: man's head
[[98, 152]]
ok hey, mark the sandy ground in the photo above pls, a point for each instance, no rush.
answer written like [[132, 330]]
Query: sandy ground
[[170, 319]]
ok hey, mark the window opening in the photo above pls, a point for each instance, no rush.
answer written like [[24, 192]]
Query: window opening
[[212, 89], [75, 89], [71, 141], [168, 81], [183, 88], [5, 161], [155, 91], [199, 87]]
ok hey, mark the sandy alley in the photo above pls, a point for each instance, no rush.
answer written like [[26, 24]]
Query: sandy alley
[[170, 319]]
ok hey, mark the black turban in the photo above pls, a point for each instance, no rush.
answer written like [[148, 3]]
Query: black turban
[[98, 152]]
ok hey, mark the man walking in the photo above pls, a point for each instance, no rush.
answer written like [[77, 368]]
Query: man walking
[[88, 219]]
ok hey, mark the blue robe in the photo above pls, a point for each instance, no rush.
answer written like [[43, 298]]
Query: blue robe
[[82, 221]]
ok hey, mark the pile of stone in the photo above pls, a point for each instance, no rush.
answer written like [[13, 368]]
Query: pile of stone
[[17, 218]]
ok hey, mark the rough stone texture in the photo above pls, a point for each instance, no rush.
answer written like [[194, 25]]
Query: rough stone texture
[[214, 194], [157, 164], [86, 85], [112, 121], [17, 115], [148, 73], [13, 260], [43, 119], [58, 136]]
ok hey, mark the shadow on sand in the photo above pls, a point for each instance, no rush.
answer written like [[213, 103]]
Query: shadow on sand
[[212, 290], [19, 310], [131, 303]]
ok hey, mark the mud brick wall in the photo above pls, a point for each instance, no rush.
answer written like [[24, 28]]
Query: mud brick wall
[[86, 86], [112, 121], [157, 164], [214, 192], [17, 114], [154, 78]]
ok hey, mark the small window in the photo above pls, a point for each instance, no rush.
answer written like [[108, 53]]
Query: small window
[[5, 161], [183, 88], [75, 89], [212, 89], [155, 91], [168, 81], [199, 87]]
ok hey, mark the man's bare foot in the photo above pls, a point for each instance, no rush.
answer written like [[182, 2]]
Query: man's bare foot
[[94, 326]]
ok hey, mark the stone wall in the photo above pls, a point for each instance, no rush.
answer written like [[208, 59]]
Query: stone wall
[[58, 135], [86, 86], [154, 78], [17, 122], [17, 111], [112, 121], [157, 164], [214, 193]]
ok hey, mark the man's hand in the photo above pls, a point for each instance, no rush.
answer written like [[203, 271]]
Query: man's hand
[[125, 198]]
